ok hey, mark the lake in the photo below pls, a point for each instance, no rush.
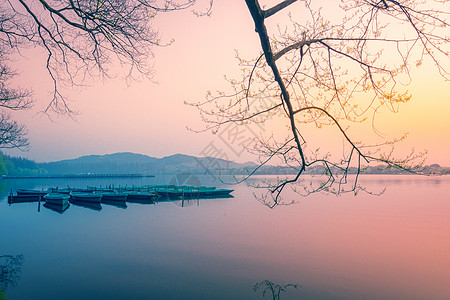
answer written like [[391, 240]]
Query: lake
[[393, 246]]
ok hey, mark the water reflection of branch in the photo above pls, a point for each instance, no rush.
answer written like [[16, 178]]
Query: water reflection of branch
[[274, 289], [10, 269], [302, 188]]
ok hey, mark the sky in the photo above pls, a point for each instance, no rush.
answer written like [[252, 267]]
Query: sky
[[151, 118]]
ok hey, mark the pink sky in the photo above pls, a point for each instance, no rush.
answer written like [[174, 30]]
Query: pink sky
[[151, 119]]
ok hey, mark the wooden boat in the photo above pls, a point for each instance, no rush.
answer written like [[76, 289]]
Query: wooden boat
[[194, 193], [57, 198], [23, 198], [60, 190], [99, 189], [113, 196], [86, 197], [216, 193], [68, 190], [142, 193], [81, 190], [25, 192]]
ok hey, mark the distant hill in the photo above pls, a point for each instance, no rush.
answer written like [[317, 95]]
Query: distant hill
[[132, 163], [127, 163]]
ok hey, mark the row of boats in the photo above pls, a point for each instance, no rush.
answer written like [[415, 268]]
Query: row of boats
[[150, 193], [58, 199]]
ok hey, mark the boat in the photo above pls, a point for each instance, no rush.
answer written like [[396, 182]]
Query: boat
[[99, 189], [86, 197], [146, 193], [216, 193], [66, 190], [188, 192], [57, 198], [113, 196], [25, 192], [23, 198]]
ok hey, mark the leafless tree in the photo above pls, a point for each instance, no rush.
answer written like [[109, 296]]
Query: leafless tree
[[330, 72], [83, 40], [12, 134]]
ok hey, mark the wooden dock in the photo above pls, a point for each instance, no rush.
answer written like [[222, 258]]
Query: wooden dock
[[88, 175]]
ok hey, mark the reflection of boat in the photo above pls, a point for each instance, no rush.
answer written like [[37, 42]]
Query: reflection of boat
[[86, 197], [87, 204], [141, 201], [59, 208], [57, 198], [113, 196], [140, 196], [119, 204], [25, 192]]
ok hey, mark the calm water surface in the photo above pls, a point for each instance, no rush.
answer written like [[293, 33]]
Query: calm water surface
[[394, 246]]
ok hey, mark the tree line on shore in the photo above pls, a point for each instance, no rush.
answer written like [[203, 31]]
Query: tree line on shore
[[19, 166]]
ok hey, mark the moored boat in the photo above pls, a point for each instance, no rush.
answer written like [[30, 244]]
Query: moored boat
[[25, 192], [86, 197], [146, 192], [194, 192], [113, 196], [216, 192], [57, 198], [23, 198]]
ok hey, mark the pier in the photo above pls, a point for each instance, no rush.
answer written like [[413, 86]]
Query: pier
[[87, 175]]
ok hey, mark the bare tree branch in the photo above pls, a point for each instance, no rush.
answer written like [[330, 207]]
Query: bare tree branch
[[271, 11], [337, 71]]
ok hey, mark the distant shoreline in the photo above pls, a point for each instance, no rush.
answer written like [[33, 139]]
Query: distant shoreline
[[88, 175]]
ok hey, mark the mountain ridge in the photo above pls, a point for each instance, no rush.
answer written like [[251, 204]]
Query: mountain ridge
[[129, 162]]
